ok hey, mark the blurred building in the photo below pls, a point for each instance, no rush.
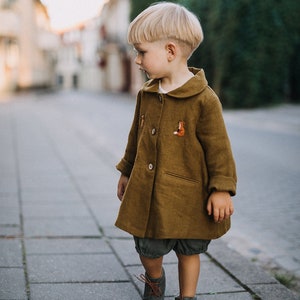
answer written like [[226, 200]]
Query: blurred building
[[113, 49], [116, 57], [27, 46], [93, 55]]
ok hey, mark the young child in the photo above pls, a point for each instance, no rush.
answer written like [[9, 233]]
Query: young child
[[178, 173]]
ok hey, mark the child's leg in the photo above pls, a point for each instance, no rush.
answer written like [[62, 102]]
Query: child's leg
[[153, 266], [155, 280], [188, 274], [151, 253]]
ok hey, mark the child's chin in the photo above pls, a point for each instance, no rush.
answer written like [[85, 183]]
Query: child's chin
[[149, 76]]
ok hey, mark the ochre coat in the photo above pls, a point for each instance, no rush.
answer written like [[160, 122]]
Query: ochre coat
[[172, 171]]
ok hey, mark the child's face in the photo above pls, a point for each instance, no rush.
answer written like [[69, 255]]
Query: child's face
[[152, 59]]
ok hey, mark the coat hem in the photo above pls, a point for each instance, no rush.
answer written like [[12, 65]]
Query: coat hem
[[202, 237]]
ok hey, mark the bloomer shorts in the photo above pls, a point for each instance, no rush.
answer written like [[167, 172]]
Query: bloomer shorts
[[154, 248]]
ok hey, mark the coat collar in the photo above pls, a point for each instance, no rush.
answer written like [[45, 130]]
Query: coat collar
[[191, 88]]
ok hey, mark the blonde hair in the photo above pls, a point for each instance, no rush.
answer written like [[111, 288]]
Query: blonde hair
[[166, 20]]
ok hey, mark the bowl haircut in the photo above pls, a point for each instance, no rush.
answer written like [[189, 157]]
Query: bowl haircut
[[167, 21]]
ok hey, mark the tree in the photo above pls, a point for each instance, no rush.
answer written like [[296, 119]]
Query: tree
[[250, 49]]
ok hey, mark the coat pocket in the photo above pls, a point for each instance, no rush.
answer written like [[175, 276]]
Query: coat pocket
[[183, 177]]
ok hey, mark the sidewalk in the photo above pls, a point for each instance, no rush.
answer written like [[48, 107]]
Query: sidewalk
[[58, 206]]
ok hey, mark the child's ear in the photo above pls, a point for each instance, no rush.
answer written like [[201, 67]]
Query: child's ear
[[171, 51]]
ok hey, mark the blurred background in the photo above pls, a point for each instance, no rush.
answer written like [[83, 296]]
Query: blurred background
[[250, 51], [78, 49]]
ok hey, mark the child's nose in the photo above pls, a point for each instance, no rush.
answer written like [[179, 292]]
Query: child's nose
[[137, 60]]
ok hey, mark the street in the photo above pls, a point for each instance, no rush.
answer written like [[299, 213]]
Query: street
[[266, 146], [266, 223]]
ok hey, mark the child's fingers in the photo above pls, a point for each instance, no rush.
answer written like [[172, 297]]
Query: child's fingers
[[221, 215], [229, 211], [216, 214], [221, 210]]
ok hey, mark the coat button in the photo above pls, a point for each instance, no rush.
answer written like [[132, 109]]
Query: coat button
[[153, 131], [150, 166]]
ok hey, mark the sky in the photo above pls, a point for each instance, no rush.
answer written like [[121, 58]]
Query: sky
[[65, 13]]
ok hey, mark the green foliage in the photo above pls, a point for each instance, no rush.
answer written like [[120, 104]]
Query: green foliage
[[250, 51], [138, 6], [286, 279]]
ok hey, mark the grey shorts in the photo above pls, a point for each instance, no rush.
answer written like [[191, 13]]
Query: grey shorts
[[154, 248]]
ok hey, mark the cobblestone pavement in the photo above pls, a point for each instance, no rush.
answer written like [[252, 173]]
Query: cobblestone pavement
[[58, 202]]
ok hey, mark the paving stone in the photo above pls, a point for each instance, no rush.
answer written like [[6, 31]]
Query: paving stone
[[66, 195], [114, 232], [105, 210], [52, 209], [289, 263], [273, 291], [125, 250], [41, 181], [32, 168], [93, 188], [66, 246], [61, 227], [9, 215], [240, 267], [12, 283], [10, 231], [8, 185], [10, 253], [74, 268], [9, 199], [226, 296], [94, 291], [212, 279]]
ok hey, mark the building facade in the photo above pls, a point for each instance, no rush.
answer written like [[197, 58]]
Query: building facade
[[93, 55], [27, 46]]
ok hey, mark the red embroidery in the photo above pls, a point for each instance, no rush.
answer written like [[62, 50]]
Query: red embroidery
[[180, 131]]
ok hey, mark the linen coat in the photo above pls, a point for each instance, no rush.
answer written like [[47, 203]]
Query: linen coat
[[178, 152]]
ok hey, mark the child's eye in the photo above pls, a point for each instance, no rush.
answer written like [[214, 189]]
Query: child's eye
[[139, 52]]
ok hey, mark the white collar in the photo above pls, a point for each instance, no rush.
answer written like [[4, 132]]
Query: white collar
[[160, 89]]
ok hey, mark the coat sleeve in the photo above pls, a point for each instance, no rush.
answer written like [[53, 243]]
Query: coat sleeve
[[125, 166], [211, 132]]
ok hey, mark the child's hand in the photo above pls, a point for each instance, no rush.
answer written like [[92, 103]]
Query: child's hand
[[220, 206], [122, 186]]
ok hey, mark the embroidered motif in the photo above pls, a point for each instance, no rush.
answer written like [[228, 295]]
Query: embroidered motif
[[180, 131]]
